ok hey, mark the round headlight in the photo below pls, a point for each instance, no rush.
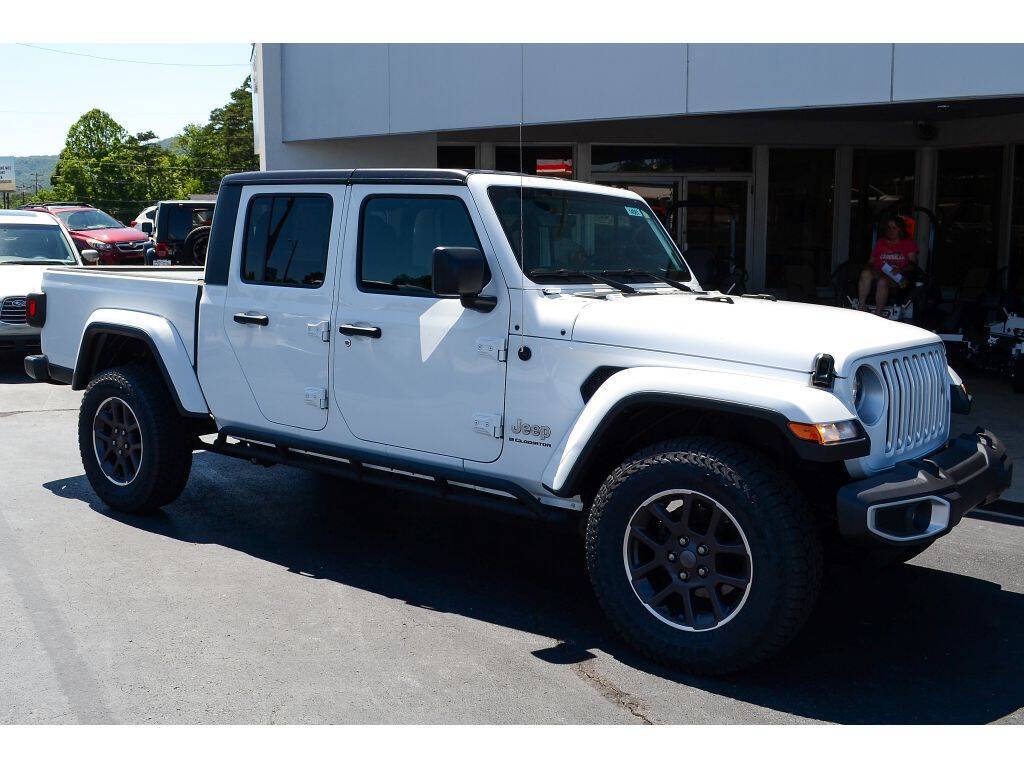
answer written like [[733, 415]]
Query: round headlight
[[868, 395]]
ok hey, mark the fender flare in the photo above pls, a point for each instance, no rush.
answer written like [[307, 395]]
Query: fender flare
[[164, 343], [773, 400]]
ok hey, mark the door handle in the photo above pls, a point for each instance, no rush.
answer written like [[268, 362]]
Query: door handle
[[247, 318], [360, 330]]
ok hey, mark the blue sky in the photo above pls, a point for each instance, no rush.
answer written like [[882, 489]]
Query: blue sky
[[43, 93]]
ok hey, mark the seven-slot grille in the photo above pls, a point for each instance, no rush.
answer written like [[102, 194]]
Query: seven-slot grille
[[132, 247], [918, 396], [12, 310]]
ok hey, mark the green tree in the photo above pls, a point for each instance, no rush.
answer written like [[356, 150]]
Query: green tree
[[104, 165]]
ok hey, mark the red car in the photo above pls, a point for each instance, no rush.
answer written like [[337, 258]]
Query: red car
[[91, 228]]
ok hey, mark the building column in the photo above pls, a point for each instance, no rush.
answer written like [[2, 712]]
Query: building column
[[581, 169], [759, 248], [841, 206], [486, 155], [925, 185]]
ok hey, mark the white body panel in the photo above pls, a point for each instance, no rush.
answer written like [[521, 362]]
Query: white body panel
[[415, 391], [282, 360], [794, 401], [421, 383], [176, 356]]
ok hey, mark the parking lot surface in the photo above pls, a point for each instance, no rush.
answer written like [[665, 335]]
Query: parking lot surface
[[273, 595]]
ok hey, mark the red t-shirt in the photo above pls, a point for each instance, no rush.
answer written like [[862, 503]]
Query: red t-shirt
[[896, 255]]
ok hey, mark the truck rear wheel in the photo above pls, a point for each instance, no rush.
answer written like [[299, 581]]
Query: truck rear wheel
[[133, 443], [703, 556]]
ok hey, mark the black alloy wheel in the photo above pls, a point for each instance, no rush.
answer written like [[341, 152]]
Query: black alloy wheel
[[117, 441], [687, 560]]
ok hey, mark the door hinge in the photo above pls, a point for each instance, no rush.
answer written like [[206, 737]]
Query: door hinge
[[316, 397], [488, 424], [492, 347], [321, 329]]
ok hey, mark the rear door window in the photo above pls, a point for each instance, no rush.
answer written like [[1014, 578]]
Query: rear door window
[[286, 240]]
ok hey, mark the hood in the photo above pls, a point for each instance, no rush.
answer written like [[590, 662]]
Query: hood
[[777, 334], [113, 234], [20, 279]]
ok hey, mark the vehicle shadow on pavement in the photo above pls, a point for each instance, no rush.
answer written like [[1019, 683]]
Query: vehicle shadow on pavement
[[923, 646], [12, 368]]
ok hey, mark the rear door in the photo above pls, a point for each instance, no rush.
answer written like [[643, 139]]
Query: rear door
[[279, 298]]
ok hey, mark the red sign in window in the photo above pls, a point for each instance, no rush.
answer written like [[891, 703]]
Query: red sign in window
[[554, 167]]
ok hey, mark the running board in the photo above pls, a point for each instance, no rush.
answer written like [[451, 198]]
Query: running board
[[435, 482]]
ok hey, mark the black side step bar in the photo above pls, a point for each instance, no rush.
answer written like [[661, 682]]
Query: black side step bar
[[386, 472]]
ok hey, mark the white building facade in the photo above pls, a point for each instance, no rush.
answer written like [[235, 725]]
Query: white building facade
[[797, 149]]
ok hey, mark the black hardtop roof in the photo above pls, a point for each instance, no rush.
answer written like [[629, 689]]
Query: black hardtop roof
[[359, 176]]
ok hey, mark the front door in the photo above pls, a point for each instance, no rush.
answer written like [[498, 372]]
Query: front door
[[411, 369], [279, 297]]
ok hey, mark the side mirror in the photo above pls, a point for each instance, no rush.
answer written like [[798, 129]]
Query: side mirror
[[462, 273], [90, 255], [147, 227]]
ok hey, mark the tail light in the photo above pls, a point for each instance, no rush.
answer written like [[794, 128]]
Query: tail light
[[161, 250], [35, 309]]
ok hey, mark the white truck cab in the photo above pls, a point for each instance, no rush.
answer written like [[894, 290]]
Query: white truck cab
[[535, 346]]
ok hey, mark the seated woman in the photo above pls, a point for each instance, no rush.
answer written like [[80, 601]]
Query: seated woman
[[894, 255]]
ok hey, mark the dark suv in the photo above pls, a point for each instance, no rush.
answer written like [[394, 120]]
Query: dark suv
[[93, 229], [182, 231]]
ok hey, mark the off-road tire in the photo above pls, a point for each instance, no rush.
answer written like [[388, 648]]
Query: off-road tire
[[166, 452], [193, 250], [782, 537]]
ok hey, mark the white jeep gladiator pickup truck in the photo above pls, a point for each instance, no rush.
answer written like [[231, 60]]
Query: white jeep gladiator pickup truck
[[537, 346]]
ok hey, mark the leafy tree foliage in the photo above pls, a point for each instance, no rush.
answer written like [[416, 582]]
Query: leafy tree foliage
[[104, 165]]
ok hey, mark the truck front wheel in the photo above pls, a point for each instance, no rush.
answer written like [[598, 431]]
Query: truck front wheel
[[133, 443], [703, 555]]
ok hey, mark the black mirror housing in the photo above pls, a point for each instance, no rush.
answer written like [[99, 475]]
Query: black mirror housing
[[459, 273]]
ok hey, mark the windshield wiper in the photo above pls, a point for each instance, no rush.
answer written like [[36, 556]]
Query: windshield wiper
[[597, 278], [643, 273]]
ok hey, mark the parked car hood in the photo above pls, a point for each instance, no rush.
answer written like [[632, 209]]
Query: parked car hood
[[113, 234], [20, 279], [777, 334]]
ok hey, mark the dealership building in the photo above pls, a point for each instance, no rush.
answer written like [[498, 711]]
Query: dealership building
[[796, 149]]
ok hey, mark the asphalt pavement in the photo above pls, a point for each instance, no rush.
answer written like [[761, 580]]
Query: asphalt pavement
[[274, 595]]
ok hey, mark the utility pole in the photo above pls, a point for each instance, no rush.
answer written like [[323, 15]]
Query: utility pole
[[37, 175]]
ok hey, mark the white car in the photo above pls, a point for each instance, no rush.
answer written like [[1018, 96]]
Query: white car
[[30, 241], [538, 347], [146, 220]]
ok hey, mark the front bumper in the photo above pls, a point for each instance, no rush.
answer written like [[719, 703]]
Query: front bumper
[[922, 499], [21, 337]]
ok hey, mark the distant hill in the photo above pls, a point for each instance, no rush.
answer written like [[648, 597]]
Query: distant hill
[[170, 144], [27, 165]]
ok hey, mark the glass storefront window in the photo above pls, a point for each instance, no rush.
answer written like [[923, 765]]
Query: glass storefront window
[[456, 156], [554, 161], [967, 204], [653, 159], [882, 180], [801, 185]]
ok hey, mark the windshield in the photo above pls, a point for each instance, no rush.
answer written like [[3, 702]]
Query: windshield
[[579, 232], [91, 219], [34, 244]]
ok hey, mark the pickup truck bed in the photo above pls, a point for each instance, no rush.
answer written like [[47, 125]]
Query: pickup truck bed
[[170, 292]]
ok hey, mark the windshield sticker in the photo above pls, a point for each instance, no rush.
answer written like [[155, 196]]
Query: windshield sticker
[[634, 211]]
